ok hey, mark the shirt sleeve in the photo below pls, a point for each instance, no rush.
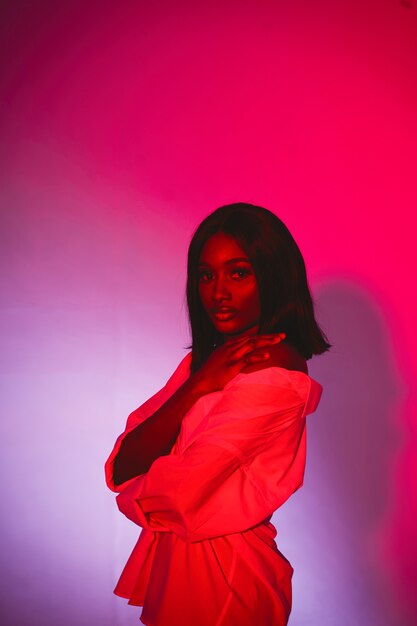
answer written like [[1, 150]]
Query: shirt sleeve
[[239, 456], [140, 414]]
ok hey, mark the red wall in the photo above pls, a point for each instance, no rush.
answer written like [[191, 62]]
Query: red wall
[[122, 125]]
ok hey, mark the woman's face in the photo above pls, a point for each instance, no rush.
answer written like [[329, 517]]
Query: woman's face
[[228, 287]]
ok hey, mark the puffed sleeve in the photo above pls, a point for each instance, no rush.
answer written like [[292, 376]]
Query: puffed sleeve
[[140, 414], [240, 454]]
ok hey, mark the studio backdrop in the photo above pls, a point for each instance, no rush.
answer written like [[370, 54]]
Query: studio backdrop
[[122, 125]]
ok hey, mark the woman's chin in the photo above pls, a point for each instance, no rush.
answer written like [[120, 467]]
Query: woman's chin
[[232, 331]]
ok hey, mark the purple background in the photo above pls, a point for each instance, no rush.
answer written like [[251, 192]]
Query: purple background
[[122, 125]]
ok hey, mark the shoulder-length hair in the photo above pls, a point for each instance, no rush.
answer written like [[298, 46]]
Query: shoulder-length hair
[[285, 299]]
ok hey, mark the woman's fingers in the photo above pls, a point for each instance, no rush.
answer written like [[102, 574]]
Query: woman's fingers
[[259, 341], [231, 358], [253, 343], [265, 340], [254, 357]]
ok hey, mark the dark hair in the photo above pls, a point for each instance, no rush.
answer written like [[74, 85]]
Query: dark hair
[[286, 303]]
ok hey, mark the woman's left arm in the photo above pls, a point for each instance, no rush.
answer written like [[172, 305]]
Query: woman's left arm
[[244, 459]]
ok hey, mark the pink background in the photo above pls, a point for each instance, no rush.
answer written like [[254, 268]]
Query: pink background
[[122, 126]]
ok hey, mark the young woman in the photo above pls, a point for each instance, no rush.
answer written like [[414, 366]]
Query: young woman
[[204, 463]]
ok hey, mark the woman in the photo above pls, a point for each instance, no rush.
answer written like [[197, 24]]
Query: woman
[[204, 463]]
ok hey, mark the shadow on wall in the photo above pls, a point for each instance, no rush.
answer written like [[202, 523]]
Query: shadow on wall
[[353, 442]]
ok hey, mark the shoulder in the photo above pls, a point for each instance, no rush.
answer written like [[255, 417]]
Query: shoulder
[[283, 355]]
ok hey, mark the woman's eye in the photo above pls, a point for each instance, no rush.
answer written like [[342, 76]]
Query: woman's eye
[[240, 272], [205, 276]]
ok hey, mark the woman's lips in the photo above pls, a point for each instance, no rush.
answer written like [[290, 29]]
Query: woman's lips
[[222, 315]]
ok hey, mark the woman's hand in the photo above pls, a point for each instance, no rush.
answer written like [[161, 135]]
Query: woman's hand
[[231, 358]]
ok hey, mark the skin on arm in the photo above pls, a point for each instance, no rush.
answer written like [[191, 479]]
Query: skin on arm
[[156, 435]]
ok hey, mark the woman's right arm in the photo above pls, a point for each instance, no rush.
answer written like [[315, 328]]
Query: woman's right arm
[[155, 436], [245, 458]]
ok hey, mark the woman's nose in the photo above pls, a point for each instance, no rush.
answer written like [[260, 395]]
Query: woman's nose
[[220, 291]]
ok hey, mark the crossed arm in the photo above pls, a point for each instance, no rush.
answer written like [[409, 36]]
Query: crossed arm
[[155, 436]]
